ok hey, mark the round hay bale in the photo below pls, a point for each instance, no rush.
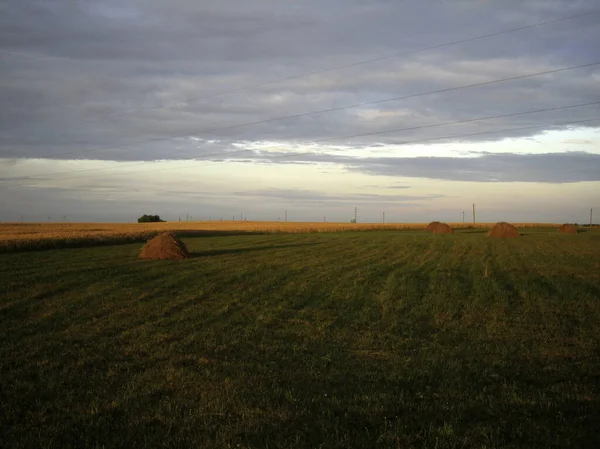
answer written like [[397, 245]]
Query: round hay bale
[[568, 228], [165, 246], [503, 229], [439, 228]]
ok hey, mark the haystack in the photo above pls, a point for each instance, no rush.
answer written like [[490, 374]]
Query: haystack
[[164, 246], [568, 228], [439, 228], [503, 229]]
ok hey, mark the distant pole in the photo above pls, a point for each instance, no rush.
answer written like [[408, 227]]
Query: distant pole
[[463, 216], [473, 213], [324, 219], [21, 218], [233, 218], [187, 216], [383, 218], [49, 219], [355, 213], [591, 211], [209, 218], [286, 215], [241, 216], [65, 218]]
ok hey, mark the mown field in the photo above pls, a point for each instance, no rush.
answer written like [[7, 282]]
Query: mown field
[[341, 340]]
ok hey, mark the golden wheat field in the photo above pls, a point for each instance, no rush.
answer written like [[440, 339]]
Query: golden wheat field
[[33, 235]]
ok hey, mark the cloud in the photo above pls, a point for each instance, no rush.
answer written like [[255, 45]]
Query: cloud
[[92, 60], [130, 83], [487, 167], [312, 197]]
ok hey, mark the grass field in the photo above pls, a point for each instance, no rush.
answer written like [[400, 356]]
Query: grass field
[[341, 340]]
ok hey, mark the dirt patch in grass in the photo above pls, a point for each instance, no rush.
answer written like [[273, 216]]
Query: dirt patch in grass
[[165, 246]]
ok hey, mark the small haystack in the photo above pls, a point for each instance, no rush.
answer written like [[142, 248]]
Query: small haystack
[[503, 229], [164, 246], [431, 225], [568, 228], [439, 228]]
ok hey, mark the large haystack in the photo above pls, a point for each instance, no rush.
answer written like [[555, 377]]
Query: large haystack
[[568, 228], [503, 229], [439, 228], [164, 246]]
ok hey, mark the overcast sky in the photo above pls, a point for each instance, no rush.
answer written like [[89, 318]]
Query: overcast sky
[[114, 108]]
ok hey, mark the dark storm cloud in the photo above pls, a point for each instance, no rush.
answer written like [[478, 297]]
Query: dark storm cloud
[[489, 167], [69, 64]]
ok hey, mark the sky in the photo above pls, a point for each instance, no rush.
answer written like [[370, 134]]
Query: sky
[[110, 109]]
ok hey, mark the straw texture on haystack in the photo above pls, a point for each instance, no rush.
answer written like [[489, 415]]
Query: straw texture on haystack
[[503, 229], [439, 228], [165, 246], [568, 228]]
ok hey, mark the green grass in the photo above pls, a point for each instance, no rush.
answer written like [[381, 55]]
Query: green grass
[[380, 339]]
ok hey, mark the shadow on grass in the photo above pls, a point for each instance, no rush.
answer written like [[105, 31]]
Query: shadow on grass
[[219, 252]]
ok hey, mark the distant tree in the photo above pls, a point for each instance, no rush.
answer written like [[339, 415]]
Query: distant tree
[[150, 219]]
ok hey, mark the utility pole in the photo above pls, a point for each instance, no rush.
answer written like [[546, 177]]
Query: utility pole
[[473, 213], [286, 215], [463, 216], [383, 221], [355, 211]]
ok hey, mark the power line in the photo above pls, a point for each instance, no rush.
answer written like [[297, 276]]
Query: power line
[[312, 153], [322, 111], [328, 69], [412, 128], [354, 64], [457, 122]]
